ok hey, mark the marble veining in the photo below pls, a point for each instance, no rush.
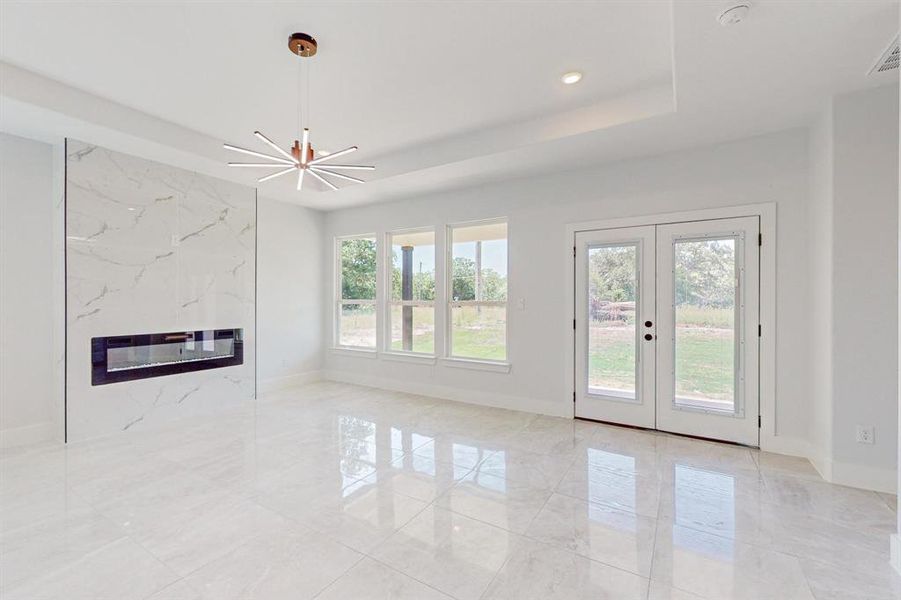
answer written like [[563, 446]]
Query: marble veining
[[333, 491], [153, 248]]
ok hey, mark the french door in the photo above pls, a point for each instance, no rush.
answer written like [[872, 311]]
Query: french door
[[667, 327]]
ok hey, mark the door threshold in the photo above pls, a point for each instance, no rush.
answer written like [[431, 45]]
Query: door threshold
[[680, 435]]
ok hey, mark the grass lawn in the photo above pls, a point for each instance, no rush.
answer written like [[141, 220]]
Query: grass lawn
[[704, 356], [704, 360], [476, 333]]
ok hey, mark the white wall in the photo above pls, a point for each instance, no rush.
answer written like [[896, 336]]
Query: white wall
[[29, 393], [821, 291], [289, 294], [865, 283], [770, 168], [854, 288], [896, 538]]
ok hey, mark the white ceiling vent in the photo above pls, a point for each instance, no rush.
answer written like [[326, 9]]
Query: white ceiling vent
[[889, 60]]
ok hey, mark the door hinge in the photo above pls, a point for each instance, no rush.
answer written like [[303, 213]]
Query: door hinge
[[574, 324], [759, 330], [574, 251], [759, 421], [574, 397], [760, 239]]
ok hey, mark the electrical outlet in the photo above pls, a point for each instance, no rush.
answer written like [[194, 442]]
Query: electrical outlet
[[866, 434]]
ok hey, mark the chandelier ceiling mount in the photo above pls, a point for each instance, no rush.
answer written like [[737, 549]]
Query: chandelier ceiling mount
[[301, 157]]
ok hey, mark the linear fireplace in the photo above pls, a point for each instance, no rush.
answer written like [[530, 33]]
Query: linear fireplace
[[128, 357]]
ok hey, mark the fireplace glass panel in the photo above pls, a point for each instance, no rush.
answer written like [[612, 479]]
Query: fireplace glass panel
[[139, 357], [123, 358]]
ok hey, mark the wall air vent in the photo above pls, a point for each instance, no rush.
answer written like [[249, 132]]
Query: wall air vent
[[889, 60]]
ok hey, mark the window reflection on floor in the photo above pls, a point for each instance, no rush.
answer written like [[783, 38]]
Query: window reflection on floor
[[611, 461], [369, 454], [397, 439], [704, 500], [611, 481], [497, 480]]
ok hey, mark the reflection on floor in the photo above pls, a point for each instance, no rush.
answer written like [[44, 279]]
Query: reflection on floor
[[340, 492]]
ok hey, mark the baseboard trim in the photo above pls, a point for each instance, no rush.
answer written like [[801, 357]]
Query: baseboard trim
[[823, 465], [781, 444], [275, 384], [31, 434], [455, 394], [878, 479]]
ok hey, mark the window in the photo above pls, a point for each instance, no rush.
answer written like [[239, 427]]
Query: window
[[477, 299], [355, 305], [411, 298]]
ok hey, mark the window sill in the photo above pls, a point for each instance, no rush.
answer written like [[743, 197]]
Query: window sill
[[493, 366], [358, 352], [422, 359]]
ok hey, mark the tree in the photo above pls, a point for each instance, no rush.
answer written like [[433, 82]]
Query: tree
[[358, 269], [611, 273], [494, 285], [423, 282], [705, 273], [424, 286], [464, 287]]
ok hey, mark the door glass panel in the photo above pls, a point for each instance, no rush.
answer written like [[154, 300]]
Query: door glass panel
[[612, 340], [705, 332]]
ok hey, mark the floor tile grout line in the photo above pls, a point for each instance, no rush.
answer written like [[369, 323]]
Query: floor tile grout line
[[167, 586], [74, 563], [654, 545], [532, 538], [396, 570], [361, 558], [260, 535], [510, 555]]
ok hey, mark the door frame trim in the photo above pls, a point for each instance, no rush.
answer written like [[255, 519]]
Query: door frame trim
[[767, 213]]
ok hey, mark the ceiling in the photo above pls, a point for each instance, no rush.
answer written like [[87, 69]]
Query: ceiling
[[435, 94]]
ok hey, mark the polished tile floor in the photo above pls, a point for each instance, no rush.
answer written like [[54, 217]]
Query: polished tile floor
[[340, 492]]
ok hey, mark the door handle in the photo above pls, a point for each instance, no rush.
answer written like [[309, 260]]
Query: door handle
[[648, 324], [648, 337]]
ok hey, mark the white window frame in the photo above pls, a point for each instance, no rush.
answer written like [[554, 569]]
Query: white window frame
[[387, 260], [450, 304], [339, 301]]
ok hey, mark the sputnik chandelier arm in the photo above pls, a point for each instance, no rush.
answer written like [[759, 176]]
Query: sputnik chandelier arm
[[273, 145], [336, 174], [300, 157], [315, 173], [333, 155], [257, 154]]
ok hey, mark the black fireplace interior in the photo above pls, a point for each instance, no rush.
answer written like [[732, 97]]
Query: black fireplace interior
[[128, 357]]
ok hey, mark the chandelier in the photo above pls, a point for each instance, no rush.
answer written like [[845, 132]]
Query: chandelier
[[300, 158]]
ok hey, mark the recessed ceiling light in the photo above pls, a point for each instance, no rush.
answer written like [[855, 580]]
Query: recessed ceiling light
[[571, 77]]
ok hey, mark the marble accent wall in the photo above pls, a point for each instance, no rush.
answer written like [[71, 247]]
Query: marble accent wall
[[153, 248]]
